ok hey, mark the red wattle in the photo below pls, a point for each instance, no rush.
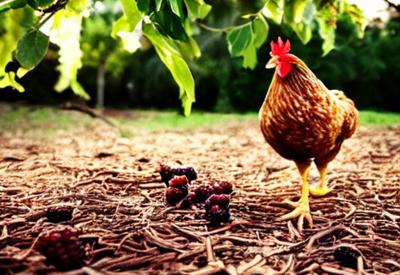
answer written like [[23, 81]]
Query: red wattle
[[284, 68]]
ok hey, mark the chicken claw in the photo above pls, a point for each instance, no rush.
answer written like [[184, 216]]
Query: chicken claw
[[301, 211], [319, 191], [292, 204]]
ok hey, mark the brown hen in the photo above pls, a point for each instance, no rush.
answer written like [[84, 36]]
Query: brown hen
[[304, 122]]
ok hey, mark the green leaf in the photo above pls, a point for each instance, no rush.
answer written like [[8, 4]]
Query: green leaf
[[176, 7], [260, 29], [12, 4], [190, 49], [125, 26], [358, 18], [66, 34], [274, 9], [32, 48], [197, 8], [239, 39], [8, 80], [9, 38], [121, 24], [327, 33], [13, 30], [158, 4], [170, 56], [39, 3], [143, 5], [298, 10], [303, 31], [250, 57], [303, 28], [132, 13], [326, 18], [309, 12], [170, 24], [19, 4]]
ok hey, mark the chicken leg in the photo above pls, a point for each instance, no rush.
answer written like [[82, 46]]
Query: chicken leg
[[302, 207], [322, 189]]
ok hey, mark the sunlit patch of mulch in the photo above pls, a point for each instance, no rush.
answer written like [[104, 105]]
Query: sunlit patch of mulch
[[120, 210]]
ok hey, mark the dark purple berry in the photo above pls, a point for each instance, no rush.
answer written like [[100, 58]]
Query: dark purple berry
[[62, 248], [59, 213], [178, 181], [184, 189], [203, 192], [217, 189], [190, 173], [174, 195], [221, 200], [168, 172], [346, 256], [189, 200], [223, 187], [216, 214], [226, 187], [165, 172]]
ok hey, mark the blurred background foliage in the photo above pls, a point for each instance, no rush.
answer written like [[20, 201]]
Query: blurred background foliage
[[367, 70]]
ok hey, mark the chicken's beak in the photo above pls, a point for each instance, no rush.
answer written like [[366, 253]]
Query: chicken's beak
[[272, 62]]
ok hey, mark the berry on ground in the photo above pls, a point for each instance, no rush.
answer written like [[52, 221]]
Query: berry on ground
[[60, 213], [217, 208], [203, 192], [226, 187], [346, 256], [218, 199], [216, 214], [174, 195], [178, 181], [189, 200], [167, 173], [62, 248], [190, 173]]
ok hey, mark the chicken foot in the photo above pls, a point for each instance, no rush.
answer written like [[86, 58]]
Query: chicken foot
[[322, 189], [302, 207]]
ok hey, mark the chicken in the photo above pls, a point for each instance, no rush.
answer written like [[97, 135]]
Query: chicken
[[305, 122]]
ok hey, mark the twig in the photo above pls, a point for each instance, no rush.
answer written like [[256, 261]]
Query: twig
[[288, 266], [188, 233], [225, 228], [327, 232], [88, 111], [209, 249], [211, 29], [258, 259]]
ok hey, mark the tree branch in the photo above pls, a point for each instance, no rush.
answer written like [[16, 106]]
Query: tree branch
[[392, 5]]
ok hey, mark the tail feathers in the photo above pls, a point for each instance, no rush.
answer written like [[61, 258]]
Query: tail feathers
[[350, 121]]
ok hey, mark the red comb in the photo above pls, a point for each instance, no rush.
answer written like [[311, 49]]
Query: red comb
[[279, 48]]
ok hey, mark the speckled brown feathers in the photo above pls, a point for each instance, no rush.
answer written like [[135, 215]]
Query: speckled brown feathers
[[301, 119]]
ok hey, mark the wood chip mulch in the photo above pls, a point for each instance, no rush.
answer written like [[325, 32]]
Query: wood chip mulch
[[120, 211]]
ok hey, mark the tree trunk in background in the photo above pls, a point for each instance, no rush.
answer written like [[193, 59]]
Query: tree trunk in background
[[100, 85]]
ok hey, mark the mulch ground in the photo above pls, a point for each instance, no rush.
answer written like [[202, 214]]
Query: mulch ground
[[120, 211]]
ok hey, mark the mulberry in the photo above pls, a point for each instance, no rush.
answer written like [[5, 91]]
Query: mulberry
[[203, 192], [57, 214], [174, 195], [62, 248], [167, 173], [346, 256], [216, 214]]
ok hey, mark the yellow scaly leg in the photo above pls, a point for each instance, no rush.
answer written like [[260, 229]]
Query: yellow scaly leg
[[302, 207], [322, 189]]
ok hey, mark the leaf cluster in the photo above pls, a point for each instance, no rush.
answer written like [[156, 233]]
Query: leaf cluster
[[170, 26]]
